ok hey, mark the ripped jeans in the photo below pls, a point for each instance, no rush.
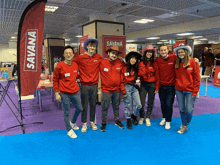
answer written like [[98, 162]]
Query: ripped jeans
[[131, 92]]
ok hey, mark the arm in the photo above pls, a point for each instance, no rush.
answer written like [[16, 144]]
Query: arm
[[122, 85], [141, 70], [56, 77], [157, 77], [196, 79]]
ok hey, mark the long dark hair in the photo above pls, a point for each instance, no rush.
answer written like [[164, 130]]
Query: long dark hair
[[151, 59], [135, 67]]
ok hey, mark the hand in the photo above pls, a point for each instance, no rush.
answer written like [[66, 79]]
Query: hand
[[196, 59], [156, 92], [55, 65], [58, 97], [125, 95]]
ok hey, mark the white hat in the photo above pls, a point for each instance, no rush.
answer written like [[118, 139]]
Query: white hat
[[187, 47]]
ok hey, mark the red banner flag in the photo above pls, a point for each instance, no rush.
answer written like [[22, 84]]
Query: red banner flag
[[29, 47], [217, 77], [111, 40]]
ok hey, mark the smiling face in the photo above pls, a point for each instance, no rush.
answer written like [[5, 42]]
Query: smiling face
[[149, 54], [181, 53], [113, 55], [164, 51], [91, 47], [68, 54], [133, 60]]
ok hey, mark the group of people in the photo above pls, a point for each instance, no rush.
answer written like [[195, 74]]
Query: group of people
[[168, 75]]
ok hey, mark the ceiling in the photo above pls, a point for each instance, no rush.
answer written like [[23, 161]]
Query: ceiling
[[66, 22]]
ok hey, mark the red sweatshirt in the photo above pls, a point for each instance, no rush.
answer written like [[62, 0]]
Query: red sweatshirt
[[64, 78], [167, 70], [110, 73], [152, 74], [88, 68], [130, 78], [188, 79]]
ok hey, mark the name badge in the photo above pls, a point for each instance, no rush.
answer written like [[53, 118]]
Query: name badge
[[117, 68], [67, 74], [106, 69], [127, 74], [189, 68], [95, 60], [150, 67], [170, 63], [75, 71]]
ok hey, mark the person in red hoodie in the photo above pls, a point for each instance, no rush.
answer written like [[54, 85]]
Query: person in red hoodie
[[110, 72], [89, 76], [66, 89], [187, 84], [130, 73], [166, 67], [149, 83]]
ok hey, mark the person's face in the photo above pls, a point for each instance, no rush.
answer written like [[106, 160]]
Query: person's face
[[164, 51], [113, 55], [133, 60], [68, 54], [91, 47], [181, 53], [205, 49], [149, 54]]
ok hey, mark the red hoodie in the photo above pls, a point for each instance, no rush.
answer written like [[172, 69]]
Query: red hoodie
[[110, 73], [188, 79], [64, 78], [88, 68], [127, 78], [152, 74], [167, 70]]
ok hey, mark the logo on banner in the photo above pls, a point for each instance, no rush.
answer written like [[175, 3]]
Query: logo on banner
[[31, 47], [112, 43], [219, 75]]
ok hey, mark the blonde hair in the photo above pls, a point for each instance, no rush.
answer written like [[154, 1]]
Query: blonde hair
[[186, 59]]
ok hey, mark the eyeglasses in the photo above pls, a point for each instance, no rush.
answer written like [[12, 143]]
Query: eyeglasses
[[115, 52], [68, 53]]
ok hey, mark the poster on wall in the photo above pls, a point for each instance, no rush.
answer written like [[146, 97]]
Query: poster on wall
[[111, 40], [131, 47], [81, 44], [177, 44], [29, 47]]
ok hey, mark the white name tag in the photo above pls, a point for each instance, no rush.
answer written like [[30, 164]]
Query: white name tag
[[117, 68], [150, 67], [189, 68], [95, 60], [106, 69], [127, 74], [75, 71], [170, 63], [67, 74]]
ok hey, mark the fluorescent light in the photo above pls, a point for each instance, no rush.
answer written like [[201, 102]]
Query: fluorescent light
[[13, 37], [130, 40], [153, 38], [79, 36], [185, 34], [67, 39], [203, 39], [197, 36], [51, 8], [159, 42], [167, 15], [167, 42], [144, 21], [163, 40]]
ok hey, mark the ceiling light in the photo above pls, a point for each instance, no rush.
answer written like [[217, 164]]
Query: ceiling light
[[51, 8], [159, 42], [144, 21], [185, 34], [13, 37], [163, 40], [203, 39], [166, 42], [167, 15], [197, 36], [67, 39], [153, 38], [79, 36], [130, 40]]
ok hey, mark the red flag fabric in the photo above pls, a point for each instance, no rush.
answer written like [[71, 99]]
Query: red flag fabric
[[29, 48]]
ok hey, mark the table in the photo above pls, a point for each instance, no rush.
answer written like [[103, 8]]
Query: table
[[44, 84], [204, 77]]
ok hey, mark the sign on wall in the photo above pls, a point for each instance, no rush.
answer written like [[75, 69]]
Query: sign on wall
[[111, 40]]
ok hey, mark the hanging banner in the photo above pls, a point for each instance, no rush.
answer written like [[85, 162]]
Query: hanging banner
[[217, 77], [81, 44], [29, 47], [111, 40]]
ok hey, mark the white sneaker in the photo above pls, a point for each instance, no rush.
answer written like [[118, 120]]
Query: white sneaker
[[74, 126], [93, 126], [72, 134], [141, 121], [84, 127], [183, 129], [148, 123], [163, 121], [167, 126]]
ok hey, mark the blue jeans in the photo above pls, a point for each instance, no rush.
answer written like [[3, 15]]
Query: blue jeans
[[186, 105], [66, 99], [167, 95], [131, 91]]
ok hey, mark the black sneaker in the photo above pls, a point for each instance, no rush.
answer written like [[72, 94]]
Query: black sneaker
[[134, 119], [129, 124], [103, 127], [119, 124]]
